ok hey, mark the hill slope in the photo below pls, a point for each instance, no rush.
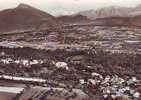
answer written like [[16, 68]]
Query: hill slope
[[24, 17], [73, 19]]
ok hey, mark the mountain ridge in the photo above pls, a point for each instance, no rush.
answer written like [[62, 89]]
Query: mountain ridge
[[111, 11], [26, 17]]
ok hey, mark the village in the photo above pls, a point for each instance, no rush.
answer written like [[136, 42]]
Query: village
[[75, 62], [113, 39]]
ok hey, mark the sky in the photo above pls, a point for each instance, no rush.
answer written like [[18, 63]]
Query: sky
[[63, 7]]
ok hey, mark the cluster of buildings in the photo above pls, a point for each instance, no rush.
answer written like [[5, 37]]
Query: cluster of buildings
[[114, 39], [58, 60]]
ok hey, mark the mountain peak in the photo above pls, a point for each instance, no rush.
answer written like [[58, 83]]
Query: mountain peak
[[25, 17], [22, 5]]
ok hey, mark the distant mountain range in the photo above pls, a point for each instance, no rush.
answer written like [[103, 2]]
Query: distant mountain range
[[25, 17], [113, 11], [121, 16]]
